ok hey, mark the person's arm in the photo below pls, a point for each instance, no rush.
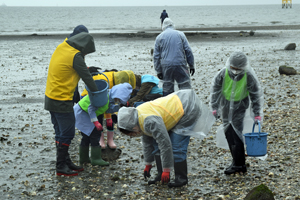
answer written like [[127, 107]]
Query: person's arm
[[254, 93], [157, 56], [155, 125], [144, 90], [82, 70], [148, 149], [188, 51], [216, 92]]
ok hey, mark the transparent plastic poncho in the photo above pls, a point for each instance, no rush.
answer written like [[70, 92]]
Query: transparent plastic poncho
[[237, 97], [172, 55], [192, 117]]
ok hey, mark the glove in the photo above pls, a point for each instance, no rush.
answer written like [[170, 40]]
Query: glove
[[256, 119], [109, 124], [215, 114], [114, 118], [98, 126], [160, 76], [147, 171], [192, 71], [165, 177]]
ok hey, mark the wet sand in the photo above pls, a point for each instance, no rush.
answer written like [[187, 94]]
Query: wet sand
[[27, 139]]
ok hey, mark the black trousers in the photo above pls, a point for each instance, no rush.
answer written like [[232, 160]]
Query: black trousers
[[236, 146], [94, 138]]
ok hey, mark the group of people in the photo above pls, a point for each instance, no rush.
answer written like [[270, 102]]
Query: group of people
[[166, 119]]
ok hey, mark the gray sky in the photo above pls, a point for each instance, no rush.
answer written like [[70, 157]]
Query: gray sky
[[134, 2]]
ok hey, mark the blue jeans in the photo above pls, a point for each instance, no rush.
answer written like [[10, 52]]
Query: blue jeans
[[179, 146], [64, 126]]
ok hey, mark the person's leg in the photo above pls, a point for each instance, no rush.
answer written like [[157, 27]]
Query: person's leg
[[237, 150], [64, 125], [168, 81], [101, 142], [182, 77], [96, 151], [179, 144], [84, 149]]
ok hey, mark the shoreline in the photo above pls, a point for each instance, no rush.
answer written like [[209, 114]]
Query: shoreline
[[154, 32]]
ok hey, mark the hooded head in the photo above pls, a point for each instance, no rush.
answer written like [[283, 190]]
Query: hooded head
[[168, 23], [79, 29], [237, 62], [83, 42], [127, 118]]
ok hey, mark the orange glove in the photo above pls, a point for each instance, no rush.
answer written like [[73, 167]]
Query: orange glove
[[147, 171], [98, 126]]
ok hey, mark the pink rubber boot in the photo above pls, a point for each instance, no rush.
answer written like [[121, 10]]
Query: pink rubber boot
[[102, 143], [110, 141]]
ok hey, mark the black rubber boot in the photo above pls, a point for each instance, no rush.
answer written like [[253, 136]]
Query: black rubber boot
[[61, 164], [234, 169], [84, 155], [180, 175], [238, 164], [71, 165], [159, 171]]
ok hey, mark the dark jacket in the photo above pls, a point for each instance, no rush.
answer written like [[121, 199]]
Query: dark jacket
[[163, 15]]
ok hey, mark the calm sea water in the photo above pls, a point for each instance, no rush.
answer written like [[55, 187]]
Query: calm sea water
[[52, 20]]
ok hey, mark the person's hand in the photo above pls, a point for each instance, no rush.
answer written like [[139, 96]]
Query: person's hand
[[109, 124], [256, 119], [114, 118], [147, 171], [215, 113], [126, 105], [98, 126], [165, 177], [160, 76], [192, 71]]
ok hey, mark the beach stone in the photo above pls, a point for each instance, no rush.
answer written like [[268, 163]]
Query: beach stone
[[283, 69], [260, 192], [151, 52], [110, 154], [290, 46]]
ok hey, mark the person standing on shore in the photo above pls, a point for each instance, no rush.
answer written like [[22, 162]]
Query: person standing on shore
[[166, 125], [171, 55], [163, 16], [66, 67], [232, 90]]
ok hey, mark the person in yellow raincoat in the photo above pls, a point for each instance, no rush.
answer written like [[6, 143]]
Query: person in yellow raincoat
[[166, 125]]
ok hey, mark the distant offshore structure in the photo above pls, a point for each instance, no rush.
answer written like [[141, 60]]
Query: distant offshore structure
[[286, 3], [3, 5]]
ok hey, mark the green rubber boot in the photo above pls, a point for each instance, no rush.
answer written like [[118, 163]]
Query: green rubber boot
[[96, 158], [84, 155]]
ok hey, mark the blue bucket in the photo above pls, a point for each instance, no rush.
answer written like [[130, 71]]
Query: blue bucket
[[99, 98], [256, 143]]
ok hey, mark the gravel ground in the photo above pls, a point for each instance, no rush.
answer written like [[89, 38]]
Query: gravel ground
[[27, 136]]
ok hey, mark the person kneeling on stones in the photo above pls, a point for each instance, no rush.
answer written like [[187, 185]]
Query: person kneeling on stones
[[166, 125], [232, 90], [88, 120]]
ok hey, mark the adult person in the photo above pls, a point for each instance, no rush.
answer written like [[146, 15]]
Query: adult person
[[171, 55], [77, 29], [163, 16], [166, 125], [233, 89], [66, 67]]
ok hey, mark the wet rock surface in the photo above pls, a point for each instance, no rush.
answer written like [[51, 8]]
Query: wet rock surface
[[27, 147]]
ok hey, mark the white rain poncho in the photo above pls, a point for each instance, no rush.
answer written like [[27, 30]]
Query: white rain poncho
[[84, 120], [171, 55], [181, 112], [237, 96]]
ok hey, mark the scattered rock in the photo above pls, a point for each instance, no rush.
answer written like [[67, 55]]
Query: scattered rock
[[290, 46], [151, 52], [111, 154], [260, 192], [283, 69], [251, 33]]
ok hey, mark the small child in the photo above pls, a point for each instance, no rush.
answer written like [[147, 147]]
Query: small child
[[232, 91], [88, 120]]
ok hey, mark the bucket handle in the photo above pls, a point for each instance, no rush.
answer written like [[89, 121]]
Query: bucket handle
[[96, 73], [258, 123]]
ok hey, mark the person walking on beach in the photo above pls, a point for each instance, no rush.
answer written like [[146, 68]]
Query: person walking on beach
[[66, 67], [166, 125], [171, 55], [233, 88], [163, 16], [89, 121]]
